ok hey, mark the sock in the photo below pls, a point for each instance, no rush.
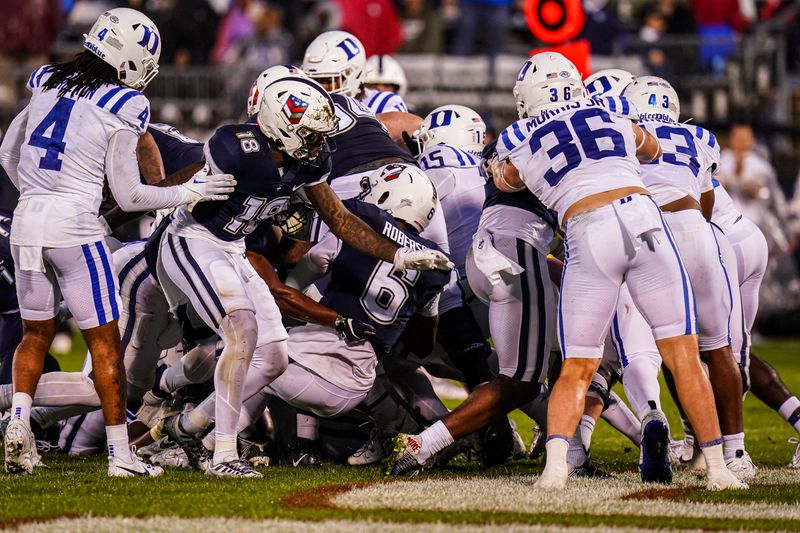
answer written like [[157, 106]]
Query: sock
[[788, 410], [6, 393], [307, 427], [21, 407], [732, 443], [621, 418], [209, 441], [435, 438], [576, 453], [556, 449], [225, 448], [585, 430], [641, 384], [712, 452], [118, 446], [195, 421]]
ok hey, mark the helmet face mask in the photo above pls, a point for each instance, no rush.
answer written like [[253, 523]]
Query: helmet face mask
[[336, 58], [128, 41], [296, 221], [454, 125], [654, 97], [547, 80], [403, 191]]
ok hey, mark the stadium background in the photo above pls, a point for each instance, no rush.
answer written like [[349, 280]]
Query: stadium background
[[735, 64]]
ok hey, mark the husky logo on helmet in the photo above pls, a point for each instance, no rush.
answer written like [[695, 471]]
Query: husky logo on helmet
[[294, 109]]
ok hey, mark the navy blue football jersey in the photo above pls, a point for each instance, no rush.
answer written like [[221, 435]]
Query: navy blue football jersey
[[262, 189], [8, 291], [370, 290], [523, 199], [177, 150], [360, 138]]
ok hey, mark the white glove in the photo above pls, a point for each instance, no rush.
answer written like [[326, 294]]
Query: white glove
[[406, 258], [209, 187]]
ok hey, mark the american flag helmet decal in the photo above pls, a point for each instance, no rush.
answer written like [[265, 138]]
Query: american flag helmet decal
[[294, 109]]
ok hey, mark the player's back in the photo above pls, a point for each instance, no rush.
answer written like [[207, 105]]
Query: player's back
[[369, 289], [520, 214], [62, 159], [177, 150], [459, 183], [383, 101], [361, 139], [574, 151], [683, 168]]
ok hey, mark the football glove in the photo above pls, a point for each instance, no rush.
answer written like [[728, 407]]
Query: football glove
[[209, 187], [406, 258], [353, 330]]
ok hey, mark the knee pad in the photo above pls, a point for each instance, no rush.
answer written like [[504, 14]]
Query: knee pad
[[600, 387], [199, 363], [272, 359]]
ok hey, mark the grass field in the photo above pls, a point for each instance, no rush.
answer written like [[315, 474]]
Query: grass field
[[74, 494]]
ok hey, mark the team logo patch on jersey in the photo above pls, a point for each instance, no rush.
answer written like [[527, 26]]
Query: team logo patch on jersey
[[294, 109]]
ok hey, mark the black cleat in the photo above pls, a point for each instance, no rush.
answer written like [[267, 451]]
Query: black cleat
[[654, 465]]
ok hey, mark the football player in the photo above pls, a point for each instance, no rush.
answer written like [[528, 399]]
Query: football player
[[385, 84], [82, 125], [613, 231]]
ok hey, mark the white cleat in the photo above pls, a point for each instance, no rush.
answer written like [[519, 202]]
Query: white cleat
[[553, 478], [796, 458], [232, 468], [742, 466], [117, 467], [172, 457], [675, 452], [721, 479], [20, 448], [518, 451], [371, 452]]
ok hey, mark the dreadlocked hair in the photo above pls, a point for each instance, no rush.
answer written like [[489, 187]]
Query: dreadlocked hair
[[81, 75]]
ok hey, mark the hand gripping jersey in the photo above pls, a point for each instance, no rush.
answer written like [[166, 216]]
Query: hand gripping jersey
[[368, 289], [62, 160], [177, 150], [361, 138], [262, 188], [571, 152], [383, 101], [459, 183], [684, 169]]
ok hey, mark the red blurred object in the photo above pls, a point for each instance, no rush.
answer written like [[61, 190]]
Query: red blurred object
[[29, 26], [712, 12], [577, 51], [374, 22], [554, 21]]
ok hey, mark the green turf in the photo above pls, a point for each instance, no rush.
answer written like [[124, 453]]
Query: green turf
[[78, 486]]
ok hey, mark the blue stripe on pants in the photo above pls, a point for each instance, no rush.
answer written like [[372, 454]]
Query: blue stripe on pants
[[98, 298], [109, 275]]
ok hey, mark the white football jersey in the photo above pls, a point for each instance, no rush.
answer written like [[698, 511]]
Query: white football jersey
[[460, 183], [62, 160], [684, 168], [383, 101], [568, 153]]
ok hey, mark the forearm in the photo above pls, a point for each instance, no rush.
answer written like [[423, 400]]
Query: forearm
[[396, 122], [707, 204], [9, 150], [182, 176], [122, 170], [150, 164], [349, 228]]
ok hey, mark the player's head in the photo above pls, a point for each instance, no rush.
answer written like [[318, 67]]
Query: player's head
[[272, 74], [385, 73], [296, 220], [336, 59], [129, 42], [611, 82], [653, 96], [403, 191], [454, 125], [297, 114], [545, 81]]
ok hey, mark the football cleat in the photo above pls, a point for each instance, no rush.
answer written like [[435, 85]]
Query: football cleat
[[498, 443], [164, 443], [403, 459], [232, 468], [117, 467], [20, 448], [675, 452], [654, 466], [371, 452], [538, 442], [518, 450], [256, 452], [796, 457], [589, 470], [192, 447], [722, 478], [174, 457], [741, 465], [303, 452], [553, 478]]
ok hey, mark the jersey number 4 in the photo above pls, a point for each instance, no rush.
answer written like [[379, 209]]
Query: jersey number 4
[[56, 123], [591, 143], [386, 292]]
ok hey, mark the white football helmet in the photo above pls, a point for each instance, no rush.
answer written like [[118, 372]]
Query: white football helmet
[[545, 81], [297, 114], [339, 56], [403, 191], [611, 82], [653, 96], [455, 125], [270, 75], [385, 70], [128, 41]]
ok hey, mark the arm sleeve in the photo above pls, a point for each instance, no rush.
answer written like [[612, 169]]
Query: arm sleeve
[[315, 263], [9, 150], [122, 170], [431, 308]]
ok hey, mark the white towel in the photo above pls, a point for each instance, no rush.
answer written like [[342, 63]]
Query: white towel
[[490, 261]]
